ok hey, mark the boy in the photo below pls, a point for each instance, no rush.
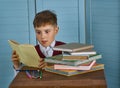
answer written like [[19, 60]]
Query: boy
[[45, 25]]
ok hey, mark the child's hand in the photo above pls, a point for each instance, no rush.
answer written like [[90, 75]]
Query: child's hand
[[42, 63], [15, 60]]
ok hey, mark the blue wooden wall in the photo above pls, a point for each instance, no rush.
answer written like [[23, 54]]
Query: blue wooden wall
[[16, 24], [103, 30]]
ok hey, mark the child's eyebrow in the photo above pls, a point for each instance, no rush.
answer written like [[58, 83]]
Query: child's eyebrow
[[47, 29], [37, 30]]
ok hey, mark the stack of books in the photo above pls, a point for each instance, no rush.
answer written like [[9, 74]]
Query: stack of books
[[76, 59]]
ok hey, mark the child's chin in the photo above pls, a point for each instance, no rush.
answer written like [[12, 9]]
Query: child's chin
[[45, 45]]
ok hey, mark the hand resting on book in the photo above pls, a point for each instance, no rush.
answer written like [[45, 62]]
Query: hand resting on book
[[17, 64], [15, 60]]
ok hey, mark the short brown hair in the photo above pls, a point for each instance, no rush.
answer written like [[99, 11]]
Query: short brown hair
[[45, 17]]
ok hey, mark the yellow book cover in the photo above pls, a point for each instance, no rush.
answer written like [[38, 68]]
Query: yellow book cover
[[27, 53]]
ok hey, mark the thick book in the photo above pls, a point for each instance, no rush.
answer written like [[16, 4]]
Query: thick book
[[85, 66], [58, 59], [72, 47], [27, 53], [64, 72]]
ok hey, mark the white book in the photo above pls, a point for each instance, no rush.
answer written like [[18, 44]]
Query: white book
[[85, 66], [84, 53]]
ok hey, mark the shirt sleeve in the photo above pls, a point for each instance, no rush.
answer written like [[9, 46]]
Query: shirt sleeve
[[16, 72]]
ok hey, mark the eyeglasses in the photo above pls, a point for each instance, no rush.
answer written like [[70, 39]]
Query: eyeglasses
[[34, 74]]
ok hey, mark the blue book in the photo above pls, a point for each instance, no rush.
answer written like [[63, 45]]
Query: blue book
[[59, 60]]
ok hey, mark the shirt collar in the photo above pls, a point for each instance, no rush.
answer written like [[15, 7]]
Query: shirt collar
[[42, 48]]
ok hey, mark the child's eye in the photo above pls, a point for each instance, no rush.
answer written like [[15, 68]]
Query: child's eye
[[38, 32], [47, 31]]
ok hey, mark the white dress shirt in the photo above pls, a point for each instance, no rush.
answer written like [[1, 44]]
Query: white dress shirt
[[47, 51]]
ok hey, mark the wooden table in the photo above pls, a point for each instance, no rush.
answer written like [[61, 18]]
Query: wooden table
[[50, 80]]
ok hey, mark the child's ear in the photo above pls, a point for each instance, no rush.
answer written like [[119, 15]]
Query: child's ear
[[56, 29]]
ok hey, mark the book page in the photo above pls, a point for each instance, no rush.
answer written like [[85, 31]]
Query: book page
[[14, 45], [30, 55], [27, 53]]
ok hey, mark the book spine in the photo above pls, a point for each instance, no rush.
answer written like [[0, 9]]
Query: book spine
[[64, 50], [95, 57], [83, 53], [59, 62], [75, 57]]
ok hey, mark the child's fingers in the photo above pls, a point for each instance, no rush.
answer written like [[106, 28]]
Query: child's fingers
[[15, 55], [15, 59], [42, 64], [14, 52], [41, 60]]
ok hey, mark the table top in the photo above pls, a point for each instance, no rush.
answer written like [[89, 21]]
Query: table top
[[51, 80]]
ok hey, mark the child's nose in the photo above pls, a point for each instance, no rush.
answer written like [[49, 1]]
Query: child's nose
[[43, 35]]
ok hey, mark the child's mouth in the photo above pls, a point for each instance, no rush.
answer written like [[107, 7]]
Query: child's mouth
[[44, 42]]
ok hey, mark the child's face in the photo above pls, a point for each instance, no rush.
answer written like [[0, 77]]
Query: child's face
[[46, 34]]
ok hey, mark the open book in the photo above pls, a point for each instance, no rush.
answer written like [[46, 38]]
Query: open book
[[27, 53]]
